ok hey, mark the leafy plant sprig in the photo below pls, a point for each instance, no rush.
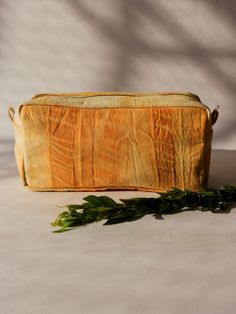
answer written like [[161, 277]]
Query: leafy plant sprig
[[97, 208]]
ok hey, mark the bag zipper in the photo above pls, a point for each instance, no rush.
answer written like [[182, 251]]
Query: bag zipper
[[131, 94], [196, 102]]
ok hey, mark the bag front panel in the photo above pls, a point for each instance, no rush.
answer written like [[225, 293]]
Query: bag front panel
[[153, 149]]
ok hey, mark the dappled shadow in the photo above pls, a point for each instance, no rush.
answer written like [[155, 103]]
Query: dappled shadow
[[129, 42], [226, 9], [123, 35], [223, 168], [7, 159], [121, 45]]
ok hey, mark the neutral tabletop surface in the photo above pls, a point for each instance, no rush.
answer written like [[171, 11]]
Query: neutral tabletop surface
[[185, 263]]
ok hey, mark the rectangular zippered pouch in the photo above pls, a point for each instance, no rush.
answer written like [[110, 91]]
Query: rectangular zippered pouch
[[100, 141]]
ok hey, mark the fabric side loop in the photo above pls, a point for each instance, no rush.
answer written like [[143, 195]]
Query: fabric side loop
[[11, 113], [214, 115]]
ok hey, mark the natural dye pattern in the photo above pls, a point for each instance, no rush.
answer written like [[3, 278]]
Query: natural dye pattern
[[143, 147]]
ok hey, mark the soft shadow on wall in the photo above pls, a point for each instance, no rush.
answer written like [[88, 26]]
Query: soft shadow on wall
[[222, 168], [132, 43], [121, 45], [7, 159]]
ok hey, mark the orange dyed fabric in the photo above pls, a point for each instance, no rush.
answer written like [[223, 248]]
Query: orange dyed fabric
[[149, 148]]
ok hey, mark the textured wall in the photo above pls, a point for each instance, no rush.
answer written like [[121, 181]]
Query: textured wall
[[75, 45]]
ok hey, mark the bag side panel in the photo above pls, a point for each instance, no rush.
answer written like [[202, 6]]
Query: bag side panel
[[36, 145]]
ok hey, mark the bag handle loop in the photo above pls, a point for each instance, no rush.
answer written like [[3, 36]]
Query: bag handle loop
[[11, 113], [214, 115]]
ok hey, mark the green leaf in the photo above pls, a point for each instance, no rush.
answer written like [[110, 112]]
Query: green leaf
[[107, 201], [98, 209], [94, 200], [62, 230], [124, 217]]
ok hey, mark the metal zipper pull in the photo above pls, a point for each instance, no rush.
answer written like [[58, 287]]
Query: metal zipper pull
[[214, 115]]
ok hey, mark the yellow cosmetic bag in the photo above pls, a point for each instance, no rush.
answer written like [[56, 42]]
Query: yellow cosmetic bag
[[100, 141]]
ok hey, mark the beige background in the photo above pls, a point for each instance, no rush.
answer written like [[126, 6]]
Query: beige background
[[105, 45], [180, 265]]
